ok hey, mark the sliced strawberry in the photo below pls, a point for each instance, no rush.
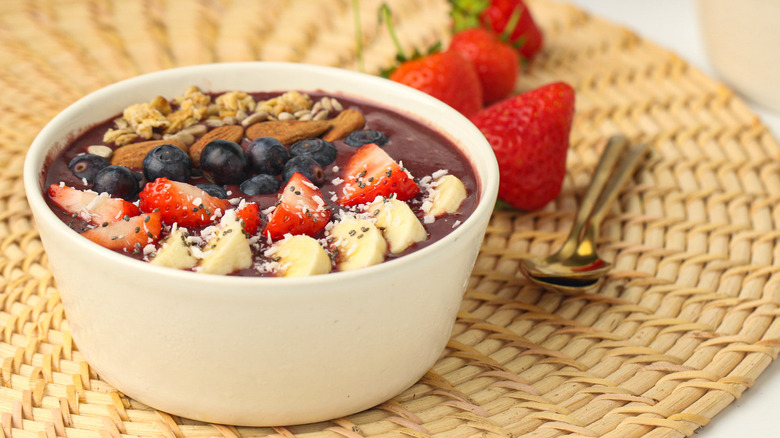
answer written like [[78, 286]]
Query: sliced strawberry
[[90, 206], [128, 234], [181, 203], [371, 172], [301, 210], [250, 214]]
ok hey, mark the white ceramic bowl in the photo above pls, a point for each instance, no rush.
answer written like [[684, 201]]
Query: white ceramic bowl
[[260, 351]]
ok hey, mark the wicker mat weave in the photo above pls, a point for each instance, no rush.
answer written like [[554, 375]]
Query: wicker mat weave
[[687, 320]]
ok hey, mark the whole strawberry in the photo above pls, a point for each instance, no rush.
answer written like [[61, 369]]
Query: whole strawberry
[[446, 76], [510, 18], [529, 134], [496, 63]]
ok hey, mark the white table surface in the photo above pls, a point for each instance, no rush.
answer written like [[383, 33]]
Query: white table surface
[[672, 24]]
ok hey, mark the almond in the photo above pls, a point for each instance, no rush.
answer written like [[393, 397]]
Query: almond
[[232, 133], [288, 131], [343, 124], [132, 155]]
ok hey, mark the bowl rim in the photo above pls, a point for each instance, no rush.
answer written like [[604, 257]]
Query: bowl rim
[[50, 136]]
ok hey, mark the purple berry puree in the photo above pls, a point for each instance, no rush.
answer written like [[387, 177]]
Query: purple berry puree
[[419, 148]]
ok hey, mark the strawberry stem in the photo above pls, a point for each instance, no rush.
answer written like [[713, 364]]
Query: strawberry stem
[[465, 13], [358, 34], [386, 15], [511, 24]]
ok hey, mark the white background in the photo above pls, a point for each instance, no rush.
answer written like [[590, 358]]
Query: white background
[[673, 25]]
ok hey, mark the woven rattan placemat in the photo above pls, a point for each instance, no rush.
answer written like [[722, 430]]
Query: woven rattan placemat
[[687, 320]]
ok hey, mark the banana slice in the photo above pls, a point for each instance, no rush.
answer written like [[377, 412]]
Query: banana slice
[[175, 252], [300, 256], [358, 243], [448, 193], [398, 223], [227, 252]]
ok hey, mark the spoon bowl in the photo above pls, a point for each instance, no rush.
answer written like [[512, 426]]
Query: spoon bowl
[[567, 285], [584, 264]]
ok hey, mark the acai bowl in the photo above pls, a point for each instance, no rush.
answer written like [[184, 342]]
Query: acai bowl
[[260, 350]]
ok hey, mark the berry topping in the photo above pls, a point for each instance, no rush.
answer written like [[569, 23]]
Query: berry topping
[[320, 150], [167, 161], [371, 172], [181, 203], [127, 234], [267, 155], [366, 136], [86, 166], [249, 214], [224, 162], [301, 210], [214, 190], [117, 181], [262, 184], [305, 165], [89, 206]]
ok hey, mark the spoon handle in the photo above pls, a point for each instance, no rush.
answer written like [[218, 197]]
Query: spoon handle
[[613, 186], [615, 147]]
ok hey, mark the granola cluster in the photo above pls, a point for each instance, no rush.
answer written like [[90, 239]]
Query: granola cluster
[[157, 119]]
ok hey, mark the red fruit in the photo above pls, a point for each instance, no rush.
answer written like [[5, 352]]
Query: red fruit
[[90, 206], [529, 134], [250, 214], [446, 76], [497, 63], [128, 234], [181, 203], [371, 172], [301, 210], [526, 36]]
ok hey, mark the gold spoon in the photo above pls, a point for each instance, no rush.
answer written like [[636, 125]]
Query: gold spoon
[[577, 266]]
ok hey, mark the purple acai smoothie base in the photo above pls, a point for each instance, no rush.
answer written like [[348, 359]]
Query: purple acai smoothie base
[[421, 149]]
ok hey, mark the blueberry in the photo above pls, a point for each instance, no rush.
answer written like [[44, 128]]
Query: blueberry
[[224, 162], [167, 161], [117, 181], [322, 151], [214, 190], [86, 166], [261, 184], [366, 136], [306, 166], [267, 155]]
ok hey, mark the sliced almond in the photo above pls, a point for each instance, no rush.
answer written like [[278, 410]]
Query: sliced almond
[[232, 133], [287, 131], [343, 124], [132, 155]]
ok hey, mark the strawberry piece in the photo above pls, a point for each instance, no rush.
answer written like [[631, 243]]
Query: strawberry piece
[[446, 76], [529, 134], [128, 234], [90, 206], [181, 203], [300, 210], [497, 63], [250, 214], [526, 35], [509, 18], [371, 172]]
